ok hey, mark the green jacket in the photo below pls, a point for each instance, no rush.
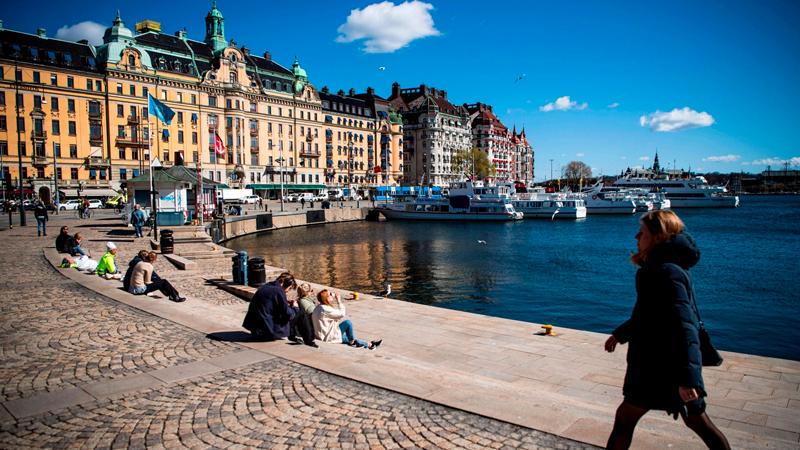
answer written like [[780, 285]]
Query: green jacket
[[307, 305], [106, 264]]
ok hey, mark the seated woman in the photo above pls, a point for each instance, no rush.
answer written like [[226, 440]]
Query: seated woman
[[62, 240], [270, 313], [330, 324], [142, 283], [301, 325], [75, 246], [141, 256]]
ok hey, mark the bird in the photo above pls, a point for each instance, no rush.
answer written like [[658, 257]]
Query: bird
[[519, 77], [382, 68], [481, 241], [385, 292]]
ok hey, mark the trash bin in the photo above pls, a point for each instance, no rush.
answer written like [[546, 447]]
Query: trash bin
[[167, 242], [256, 274], [239, 268]]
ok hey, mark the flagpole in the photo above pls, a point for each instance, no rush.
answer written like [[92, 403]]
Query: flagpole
[[153, 208]]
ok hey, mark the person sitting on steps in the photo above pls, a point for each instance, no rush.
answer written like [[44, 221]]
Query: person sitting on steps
[[141, 256], [330, 324], [142, 281], [106, 267]]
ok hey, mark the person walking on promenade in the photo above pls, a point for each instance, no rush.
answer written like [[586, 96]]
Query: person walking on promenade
[[40, 212], [137, 220], [664, 363], [301, 325], [302, 202], [106, 267], [142, 280], [330, 324], [270, 314], [62, 240]]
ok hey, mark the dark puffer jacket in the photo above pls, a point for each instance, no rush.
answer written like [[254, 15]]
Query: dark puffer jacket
[[662, 333]]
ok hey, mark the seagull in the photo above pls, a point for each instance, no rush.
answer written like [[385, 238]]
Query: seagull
[[385, 292], [481, 241], [382, 68], [519, 77]]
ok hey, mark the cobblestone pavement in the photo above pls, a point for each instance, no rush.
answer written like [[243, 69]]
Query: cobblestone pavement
[[56, 335]]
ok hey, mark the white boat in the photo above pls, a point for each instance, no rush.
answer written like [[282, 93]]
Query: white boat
[[467, 201], [684, 192], [538, 204], [600, 200]]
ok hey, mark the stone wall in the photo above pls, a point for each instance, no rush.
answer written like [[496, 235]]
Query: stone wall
[[235, 226]]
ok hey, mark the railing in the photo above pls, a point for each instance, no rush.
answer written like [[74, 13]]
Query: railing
[[124, 141], [96, 161], [38, 135], [253, 131], [310, 153], [134, 119], [96, 140], [253, 149], [38, 160]]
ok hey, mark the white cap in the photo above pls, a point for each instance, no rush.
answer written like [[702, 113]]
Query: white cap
[[110, 245]]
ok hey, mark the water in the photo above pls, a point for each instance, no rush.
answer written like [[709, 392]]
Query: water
[[570, 274]]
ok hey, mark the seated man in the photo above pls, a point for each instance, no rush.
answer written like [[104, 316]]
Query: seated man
[[270, 314], [106, 267], [63, 240], [141, 256], [142, 282]]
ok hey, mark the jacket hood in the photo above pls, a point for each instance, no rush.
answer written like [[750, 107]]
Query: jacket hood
[[681, 250]]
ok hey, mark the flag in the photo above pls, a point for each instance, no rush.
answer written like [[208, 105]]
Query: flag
[[218, 147], [160, 110]]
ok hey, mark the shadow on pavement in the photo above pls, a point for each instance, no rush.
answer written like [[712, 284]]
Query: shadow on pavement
[[231, 336]]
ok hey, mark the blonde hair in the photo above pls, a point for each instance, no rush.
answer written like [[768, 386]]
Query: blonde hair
[[303, 290], [663, 226]]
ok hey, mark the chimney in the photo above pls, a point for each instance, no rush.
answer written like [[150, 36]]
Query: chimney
[[41, 32], [325, 89], [340, 93], [423, 89], [246, 51], [434, 92], [370, 91], [268, 56], [352, 92], [443, 93], [395, 89]]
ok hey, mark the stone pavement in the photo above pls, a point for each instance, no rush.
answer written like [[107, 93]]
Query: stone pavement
[[87, 365]]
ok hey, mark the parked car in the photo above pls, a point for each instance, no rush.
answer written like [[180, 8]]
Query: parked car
[[95, 203], [322, 196], [307, 196], [249, 199], [335, 194], [69, 204], [290, 198]]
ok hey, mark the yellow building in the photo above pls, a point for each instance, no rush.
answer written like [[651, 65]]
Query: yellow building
[[94, 103]]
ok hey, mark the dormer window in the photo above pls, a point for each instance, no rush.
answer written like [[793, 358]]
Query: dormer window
[[68, 58], [131, 60], [233, 78], [233, 57], [162, 63], [177, 66]]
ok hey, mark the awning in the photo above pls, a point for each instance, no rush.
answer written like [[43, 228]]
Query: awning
[[100, 192], [286, 186]]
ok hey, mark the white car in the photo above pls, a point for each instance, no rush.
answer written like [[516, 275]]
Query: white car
[[249, 199], [290, 198], [94, 204], [70, 204], [321, 197]]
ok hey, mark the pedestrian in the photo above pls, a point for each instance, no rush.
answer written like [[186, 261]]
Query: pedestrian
[[142, 280], [270, 313], [302, 202], [664, 362], [106, 267], [40, 213], [138, 220]]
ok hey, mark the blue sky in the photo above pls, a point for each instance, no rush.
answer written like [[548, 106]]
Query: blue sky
[[712, 85]]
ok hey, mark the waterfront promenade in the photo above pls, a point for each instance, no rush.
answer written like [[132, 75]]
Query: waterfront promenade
[[86, 364]]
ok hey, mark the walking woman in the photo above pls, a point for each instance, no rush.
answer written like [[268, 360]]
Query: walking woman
[[664, 363]]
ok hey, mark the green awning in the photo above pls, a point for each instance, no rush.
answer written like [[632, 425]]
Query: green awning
[[286, 186]]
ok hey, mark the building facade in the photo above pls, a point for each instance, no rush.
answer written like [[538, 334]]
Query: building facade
[[434, 130], [93, 101]]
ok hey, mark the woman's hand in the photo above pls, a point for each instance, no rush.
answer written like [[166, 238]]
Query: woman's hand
[[611, 344], [687, 394]]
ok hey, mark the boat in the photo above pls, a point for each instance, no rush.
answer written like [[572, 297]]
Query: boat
[[600, 200], [684, 192], [538, 204], [467, 201]]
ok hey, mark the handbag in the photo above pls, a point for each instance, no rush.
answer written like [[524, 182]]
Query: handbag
[[708, 353]]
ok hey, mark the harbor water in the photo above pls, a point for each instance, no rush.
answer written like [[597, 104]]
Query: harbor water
[[574, 274]]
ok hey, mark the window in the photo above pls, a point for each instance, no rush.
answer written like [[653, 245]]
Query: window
[[163, 95], [180, 97], [89, 85], [180, 116], [121, 131], [120, 110], [145, 91], [20, 100], [212, 158], [194, 157], [95, 131], [67, 58], [71, 105], [233, 78], [58, 173], [56, 149], [73, 173], [22, 149], [3, 124], [98, 86], [212, 100], [133, 90], [21, 123], [122, 153], [2, 98], [54, 79], [180, 137], [123, 174], [194, 99], [18, 75], [131, 61], [71, 127], [56, 127], [194, 137], [73, 151], [70, 82], [4, 148], [119, 88], [228, 103], [165, 154], [94, 108], [36, 77]]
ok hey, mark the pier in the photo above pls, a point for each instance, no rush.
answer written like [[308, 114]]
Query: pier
[[85, 362]]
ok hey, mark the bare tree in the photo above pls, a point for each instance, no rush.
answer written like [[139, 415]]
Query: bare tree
[[577, 171]]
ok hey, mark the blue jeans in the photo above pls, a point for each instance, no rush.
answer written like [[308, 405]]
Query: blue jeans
[[138, 230], [349, 335], [40, 226]]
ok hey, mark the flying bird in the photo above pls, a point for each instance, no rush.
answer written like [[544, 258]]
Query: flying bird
[[382, 68], [481, 241], [519, 77]]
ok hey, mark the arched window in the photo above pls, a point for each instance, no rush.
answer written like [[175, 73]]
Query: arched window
[[177, 66], [162, 63], [233, 78], [132, 60]]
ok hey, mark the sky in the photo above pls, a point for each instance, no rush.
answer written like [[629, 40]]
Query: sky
[[710, 85]]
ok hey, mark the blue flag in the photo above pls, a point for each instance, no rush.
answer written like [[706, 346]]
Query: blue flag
[[160, 110]]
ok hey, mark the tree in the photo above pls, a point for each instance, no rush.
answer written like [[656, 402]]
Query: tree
[[473, 163], [575, 171]]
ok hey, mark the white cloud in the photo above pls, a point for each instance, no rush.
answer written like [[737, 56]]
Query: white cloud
[[793, 161], [623, 158], [388, 27], [644, 158], [580, 155], [563, 104], [91, 31], [613, 105], [677, 119], [722, 158]]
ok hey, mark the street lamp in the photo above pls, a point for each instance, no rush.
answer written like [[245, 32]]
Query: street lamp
[[280, 164], [19, 144]]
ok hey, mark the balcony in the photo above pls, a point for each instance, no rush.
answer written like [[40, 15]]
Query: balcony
[[253, 131], [95, 113], [135, 141], [39, 160], [309, 153], [96, 140], [134, 119], [96, 162], [38, 135], [254, 149]]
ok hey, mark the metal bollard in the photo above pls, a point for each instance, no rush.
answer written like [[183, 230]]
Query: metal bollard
[[243, 268]]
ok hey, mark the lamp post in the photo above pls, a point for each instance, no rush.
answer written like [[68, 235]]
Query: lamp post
[[280, 164], [19, 145]]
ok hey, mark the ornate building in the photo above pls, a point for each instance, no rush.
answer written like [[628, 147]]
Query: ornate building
[[93, 101], [434, 130]]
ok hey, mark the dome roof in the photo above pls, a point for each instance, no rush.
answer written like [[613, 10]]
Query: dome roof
[[117, 30]]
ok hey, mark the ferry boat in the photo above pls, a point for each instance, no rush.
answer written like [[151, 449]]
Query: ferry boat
[[467, 201], [684, 193], [600, 201], [538, 204]]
